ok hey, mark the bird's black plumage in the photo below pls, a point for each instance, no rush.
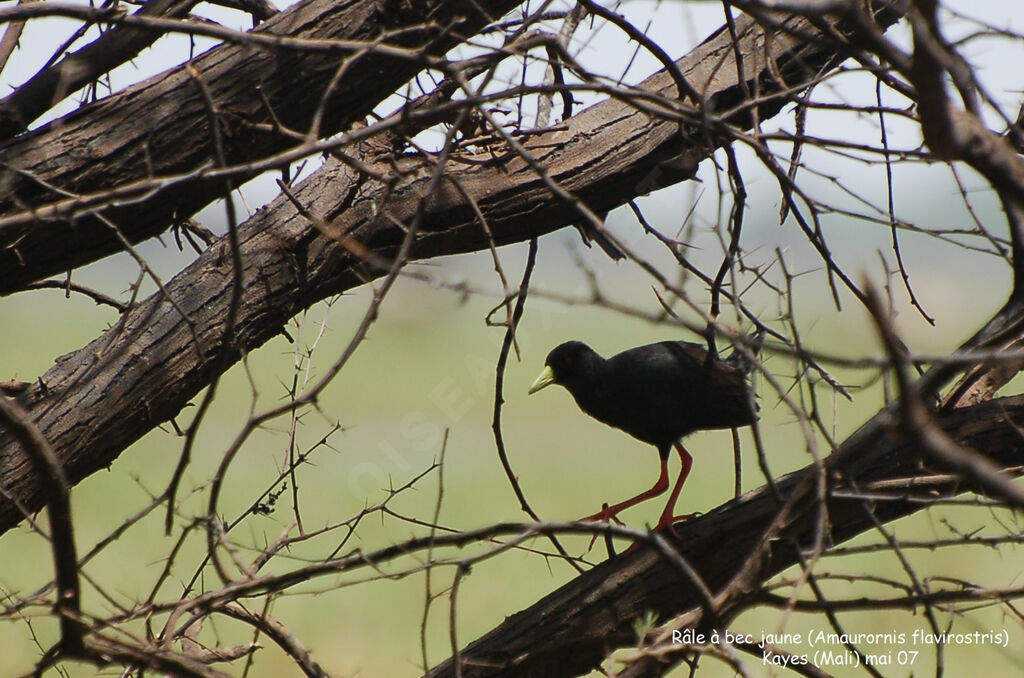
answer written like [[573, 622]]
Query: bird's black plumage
[[657, 393]]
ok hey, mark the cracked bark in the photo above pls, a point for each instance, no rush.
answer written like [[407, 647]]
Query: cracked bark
[[159, 128]]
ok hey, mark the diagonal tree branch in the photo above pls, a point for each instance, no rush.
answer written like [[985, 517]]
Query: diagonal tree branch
[[160, 127], [113, 48], [571, 630]]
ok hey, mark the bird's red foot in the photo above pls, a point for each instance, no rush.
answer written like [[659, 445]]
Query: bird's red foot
[[605, 515]]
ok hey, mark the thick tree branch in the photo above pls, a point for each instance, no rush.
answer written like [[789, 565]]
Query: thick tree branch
[[57, 81], [574, 628], [160, 127]]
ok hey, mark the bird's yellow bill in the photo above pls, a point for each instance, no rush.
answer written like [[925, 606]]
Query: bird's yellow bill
[[546, 378]]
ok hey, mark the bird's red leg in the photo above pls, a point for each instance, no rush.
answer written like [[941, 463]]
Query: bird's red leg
[[668, 515], [610, 512]]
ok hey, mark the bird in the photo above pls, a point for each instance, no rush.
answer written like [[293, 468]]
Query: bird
[[658, 393]]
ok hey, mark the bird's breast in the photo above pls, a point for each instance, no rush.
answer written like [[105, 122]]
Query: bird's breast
[[660, 412]]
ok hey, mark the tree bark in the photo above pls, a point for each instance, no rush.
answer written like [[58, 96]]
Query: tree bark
[[74, 71], [571, 630], [98, 400], [159, 129]]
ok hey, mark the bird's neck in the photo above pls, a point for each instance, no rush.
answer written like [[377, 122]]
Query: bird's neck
[[588, 389]]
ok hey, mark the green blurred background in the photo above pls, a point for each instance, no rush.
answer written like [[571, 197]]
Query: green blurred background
[[427, 365]]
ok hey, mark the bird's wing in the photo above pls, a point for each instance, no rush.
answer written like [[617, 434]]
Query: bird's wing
[[684, 353], [664, 363]]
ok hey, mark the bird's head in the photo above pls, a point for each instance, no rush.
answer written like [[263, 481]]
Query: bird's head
[[568, 364]]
